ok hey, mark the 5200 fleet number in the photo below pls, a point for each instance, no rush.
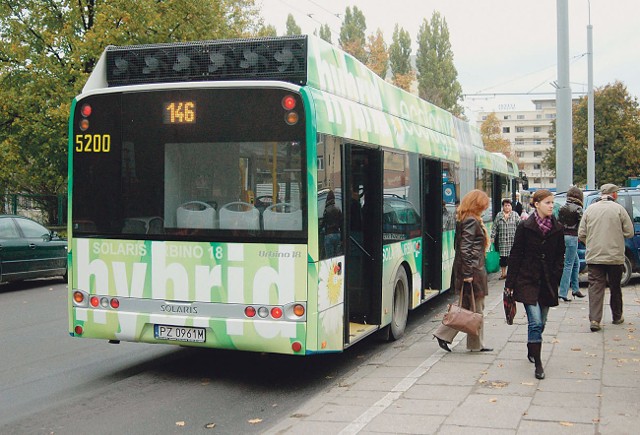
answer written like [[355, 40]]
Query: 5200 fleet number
[[93, 143]]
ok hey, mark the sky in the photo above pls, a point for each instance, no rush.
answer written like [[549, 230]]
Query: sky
[[500, 47]]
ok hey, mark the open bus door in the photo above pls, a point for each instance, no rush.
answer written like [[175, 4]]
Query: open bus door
[[432, 210], [363, 256]]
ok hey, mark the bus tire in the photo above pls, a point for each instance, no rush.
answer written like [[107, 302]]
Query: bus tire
[[627, 269], [400, 305]]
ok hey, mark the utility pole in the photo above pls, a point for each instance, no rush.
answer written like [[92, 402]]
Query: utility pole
[[591, 152], [564, 128]]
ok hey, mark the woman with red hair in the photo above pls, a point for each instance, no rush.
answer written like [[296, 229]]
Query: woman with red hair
[[471, 243]]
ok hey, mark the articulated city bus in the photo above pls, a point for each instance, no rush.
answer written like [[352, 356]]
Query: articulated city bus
[[269, 195]]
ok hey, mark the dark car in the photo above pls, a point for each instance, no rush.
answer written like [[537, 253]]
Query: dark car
[[29, 250], [629, 198]]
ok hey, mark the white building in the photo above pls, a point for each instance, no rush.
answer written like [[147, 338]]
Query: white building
[[528, 132]]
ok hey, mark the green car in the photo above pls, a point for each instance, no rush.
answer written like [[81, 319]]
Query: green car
[[29, 250]]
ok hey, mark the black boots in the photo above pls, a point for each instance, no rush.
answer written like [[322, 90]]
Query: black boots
[[534, 350], [443, 344]]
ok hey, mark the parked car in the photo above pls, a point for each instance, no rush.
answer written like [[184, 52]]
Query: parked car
[[629, 198], [29, 250]]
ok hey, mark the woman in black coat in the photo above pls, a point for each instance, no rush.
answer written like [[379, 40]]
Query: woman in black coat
[[535, 269]]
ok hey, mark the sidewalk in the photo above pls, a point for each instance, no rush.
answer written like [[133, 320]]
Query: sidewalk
[[592, 383]]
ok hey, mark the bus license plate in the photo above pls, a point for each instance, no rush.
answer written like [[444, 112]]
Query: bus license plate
[[180, 333]]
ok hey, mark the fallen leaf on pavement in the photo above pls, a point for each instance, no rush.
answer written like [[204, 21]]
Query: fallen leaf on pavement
[[531, 384], [576, 349], [255, 420], [180, 423], [209, 425], [566, 423], [493, 400]]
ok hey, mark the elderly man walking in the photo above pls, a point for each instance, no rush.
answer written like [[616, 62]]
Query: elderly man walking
[[603, 228]]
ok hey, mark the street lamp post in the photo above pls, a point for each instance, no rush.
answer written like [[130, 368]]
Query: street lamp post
[[591, 153]]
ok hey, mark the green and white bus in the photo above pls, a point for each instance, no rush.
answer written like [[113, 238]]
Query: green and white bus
[[198, 180]]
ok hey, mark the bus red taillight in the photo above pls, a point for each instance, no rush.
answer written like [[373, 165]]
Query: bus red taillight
[[94, 301], [276, 312], [86, 110], [289, 102], [296, 346], [78, 330], [78, 297], [115, 303], [84, 124], [250, 312], [298, 310]]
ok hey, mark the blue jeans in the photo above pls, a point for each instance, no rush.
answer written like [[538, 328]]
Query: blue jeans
[[571, 267], [537, 317]]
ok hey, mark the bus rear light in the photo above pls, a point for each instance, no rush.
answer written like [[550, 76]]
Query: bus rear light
[[263, 312], [78, 330], [86, 110], [298, 310], [104, 302], [291, 118], [296, 346], [250, 312], [94, 301], [78, 297], [289, 102], [276, 312], [115, 303], [84, 124]]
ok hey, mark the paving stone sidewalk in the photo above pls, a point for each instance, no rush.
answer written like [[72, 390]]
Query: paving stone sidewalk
[[592, 383]]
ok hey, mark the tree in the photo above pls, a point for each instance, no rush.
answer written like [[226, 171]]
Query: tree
[[400, 59], [616, 136], [292, 27], [437, 75], [377, 54], [47, 51], [491, 131], [325, 33], [352, 34]]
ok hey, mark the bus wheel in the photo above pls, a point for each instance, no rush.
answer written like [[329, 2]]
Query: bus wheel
[[400, 305], [626, 271]]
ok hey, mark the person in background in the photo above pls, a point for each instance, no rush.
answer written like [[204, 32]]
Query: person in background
[[471, 243], [603, 228], [517, 205], [504, 226], [569, 216], [535, 269], [332, 220]]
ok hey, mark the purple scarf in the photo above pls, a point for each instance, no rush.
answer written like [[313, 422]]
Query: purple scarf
[[544, 224]]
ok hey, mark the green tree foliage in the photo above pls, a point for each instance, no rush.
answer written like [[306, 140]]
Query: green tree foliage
[[437, 75], [491, 131], [325, 33], [377, 54], [616, 137], [292, 27], [400, 59], [352, 34], [47, 50]]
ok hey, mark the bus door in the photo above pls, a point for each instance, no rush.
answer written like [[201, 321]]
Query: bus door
[[433, 208], [363, 221]]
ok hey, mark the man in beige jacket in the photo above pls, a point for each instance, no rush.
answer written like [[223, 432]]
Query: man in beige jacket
[[603, 228]]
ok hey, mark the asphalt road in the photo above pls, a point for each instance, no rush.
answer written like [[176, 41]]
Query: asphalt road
[[51, 383]]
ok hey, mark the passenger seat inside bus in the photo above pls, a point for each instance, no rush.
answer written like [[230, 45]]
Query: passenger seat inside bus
[[239, 215], [197, 214], [282, 217]]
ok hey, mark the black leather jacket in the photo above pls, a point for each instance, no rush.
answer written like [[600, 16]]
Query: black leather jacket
[[570, 215]]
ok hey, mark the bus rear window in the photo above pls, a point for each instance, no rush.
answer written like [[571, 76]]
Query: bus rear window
[[191, 164]]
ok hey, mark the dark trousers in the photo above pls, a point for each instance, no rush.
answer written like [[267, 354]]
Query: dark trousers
[[599, 274]]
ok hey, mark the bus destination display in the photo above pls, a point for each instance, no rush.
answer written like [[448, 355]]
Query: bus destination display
[[179, 112]]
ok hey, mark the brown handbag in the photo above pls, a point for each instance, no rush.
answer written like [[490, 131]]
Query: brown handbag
[[462, 319]]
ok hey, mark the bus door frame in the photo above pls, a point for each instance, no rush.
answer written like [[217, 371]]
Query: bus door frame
[[363, 253], [431, 188]]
